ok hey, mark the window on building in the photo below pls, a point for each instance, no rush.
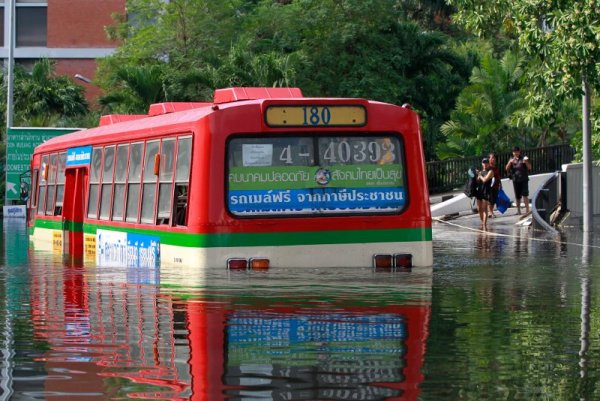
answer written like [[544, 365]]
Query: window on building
[[31, 26], [2, 26]]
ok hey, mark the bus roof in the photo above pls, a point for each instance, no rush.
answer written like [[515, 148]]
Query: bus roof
[[173, 116], [163, 114]]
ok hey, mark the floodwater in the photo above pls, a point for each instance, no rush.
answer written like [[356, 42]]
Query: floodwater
[[502, 315]]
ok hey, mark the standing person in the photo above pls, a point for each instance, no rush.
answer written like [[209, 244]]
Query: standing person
[[518, 168], [484, 180], [496, 182]]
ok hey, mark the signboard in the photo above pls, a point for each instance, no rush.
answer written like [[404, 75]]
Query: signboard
[[122, 249], [20, 143], [315, 116], [81, 156], [15, 211], [312, 176]]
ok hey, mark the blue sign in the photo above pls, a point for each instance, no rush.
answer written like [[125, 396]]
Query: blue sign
[[332, 200], [81, 156]]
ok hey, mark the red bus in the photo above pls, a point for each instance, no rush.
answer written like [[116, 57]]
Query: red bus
[[258, 177]]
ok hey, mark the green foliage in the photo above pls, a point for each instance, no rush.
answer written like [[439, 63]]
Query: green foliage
[[42, 99], [341, 48], [559, 38], [484, 117], [134, 88]]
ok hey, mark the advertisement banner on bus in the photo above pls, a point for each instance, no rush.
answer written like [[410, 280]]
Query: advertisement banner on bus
[[336, 189], [124, 249], [316, 175]]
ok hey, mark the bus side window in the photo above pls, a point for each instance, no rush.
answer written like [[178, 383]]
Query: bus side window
[[133, 181], [33, 191], [60, 183], [181, 202], [51, 191], [182, 178], [41, 199], [94, 183], [149, 183], [165, 181]]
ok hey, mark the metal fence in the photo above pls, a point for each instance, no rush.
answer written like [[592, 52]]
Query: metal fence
[[450, 175]]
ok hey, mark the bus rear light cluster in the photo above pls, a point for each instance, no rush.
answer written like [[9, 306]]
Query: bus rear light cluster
[[259, 264], [237, 264], [397, 261], [248, 264]]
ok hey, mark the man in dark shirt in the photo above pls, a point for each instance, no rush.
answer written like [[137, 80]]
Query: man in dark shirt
[[518, 168]]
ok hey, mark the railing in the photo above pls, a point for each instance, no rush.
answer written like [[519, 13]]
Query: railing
[[449, 175]]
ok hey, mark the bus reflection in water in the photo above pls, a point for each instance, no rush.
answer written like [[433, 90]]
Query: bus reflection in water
[[121, 338], [258, 177]]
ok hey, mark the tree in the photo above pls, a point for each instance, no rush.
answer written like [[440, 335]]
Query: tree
[[134, 88], [484, 117], [365, 48], [561, 39], [43, 99], [339, 48]]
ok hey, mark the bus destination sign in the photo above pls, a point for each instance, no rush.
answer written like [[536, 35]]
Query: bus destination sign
[[315, 116]]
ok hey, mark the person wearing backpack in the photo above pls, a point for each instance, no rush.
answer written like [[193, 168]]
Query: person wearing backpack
[[484, 190], [518, 168]]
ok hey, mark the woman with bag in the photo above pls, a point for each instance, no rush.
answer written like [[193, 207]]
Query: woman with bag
[[496, 183], [484, 188]]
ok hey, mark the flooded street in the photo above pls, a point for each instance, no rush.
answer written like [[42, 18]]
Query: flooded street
[[502, 314]]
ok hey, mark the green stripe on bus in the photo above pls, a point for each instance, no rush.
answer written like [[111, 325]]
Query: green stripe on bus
[[261, 239]]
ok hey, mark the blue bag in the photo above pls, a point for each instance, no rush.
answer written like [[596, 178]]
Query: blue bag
[[503, 202]]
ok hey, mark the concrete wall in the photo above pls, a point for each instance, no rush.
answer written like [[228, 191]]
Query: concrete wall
[[575, 188], [460, 203]]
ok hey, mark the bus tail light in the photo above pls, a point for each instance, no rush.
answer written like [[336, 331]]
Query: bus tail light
[[403, 261], [382, 262], [398, 261], [259, 264], [237, 264]]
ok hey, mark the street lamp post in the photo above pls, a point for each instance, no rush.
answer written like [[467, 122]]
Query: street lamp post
[[588, 200], [11, 64], [83, 78]]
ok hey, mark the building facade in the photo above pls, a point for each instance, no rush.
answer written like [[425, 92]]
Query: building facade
[[71, 32]]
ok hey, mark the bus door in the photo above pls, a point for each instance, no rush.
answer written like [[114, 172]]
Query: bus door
[[73, 211]]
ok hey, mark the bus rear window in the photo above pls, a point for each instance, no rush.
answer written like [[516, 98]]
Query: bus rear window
[[312, 175]]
